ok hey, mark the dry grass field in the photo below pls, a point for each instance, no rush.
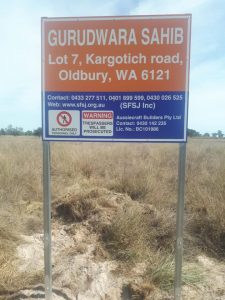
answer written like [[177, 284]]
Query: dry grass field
[[124, 196]]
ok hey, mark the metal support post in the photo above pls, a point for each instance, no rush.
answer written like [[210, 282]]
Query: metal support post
[[47, 220], [180, 222]]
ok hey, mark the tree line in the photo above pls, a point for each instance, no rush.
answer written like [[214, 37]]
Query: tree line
[[193, 133], [18, 131]]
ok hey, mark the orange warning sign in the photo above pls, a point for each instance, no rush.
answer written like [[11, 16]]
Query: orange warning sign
[[143, 53]]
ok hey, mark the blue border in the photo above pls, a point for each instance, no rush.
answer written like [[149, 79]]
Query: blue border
[[174, 131]]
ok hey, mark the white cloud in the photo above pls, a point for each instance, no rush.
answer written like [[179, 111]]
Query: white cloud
[[206, 108], [207, 101], [168, 6]]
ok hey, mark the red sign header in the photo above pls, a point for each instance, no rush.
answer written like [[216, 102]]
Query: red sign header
[[116, 54]]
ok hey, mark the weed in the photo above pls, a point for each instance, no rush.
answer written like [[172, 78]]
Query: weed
[[160, 272], [136, 231]]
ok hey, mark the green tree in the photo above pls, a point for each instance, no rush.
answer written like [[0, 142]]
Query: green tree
[[38, 131], [220, 134], [18, 131], [2, 131], [29, 132], [193, 133], [206, 134], [10, 130]]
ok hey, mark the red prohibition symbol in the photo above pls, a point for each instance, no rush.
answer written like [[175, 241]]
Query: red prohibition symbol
[[64, 118]]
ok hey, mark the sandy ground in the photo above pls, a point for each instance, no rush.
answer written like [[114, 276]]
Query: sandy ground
[[213, 285], [79, 276]]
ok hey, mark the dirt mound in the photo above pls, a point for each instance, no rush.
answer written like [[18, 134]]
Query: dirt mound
[[82, 202], [102, 246], [81, 263]]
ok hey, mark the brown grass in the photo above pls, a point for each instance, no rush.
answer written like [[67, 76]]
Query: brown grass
[[138, 231], [10, 279], [77, 206], [145, 172], [206, 194]]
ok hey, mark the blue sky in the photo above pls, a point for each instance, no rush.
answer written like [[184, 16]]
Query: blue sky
[[20, 52]]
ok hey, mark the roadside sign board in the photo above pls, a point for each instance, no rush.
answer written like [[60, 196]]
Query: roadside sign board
[[115, 78]]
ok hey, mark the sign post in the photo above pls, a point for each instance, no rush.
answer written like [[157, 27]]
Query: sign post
[[180, 222], [117, 79], [47, 220]]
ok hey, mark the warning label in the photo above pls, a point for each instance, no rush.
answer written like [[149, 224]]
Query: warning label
[[97, 123], [64, 118], [64, 122]]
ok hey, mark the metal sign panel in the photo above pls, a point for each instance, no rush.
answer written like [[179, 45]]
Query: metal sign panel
[[115, 78]]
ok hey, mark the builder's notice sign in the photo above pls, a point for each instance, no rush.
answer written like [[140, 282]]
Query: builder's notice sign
[[115, 78]]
